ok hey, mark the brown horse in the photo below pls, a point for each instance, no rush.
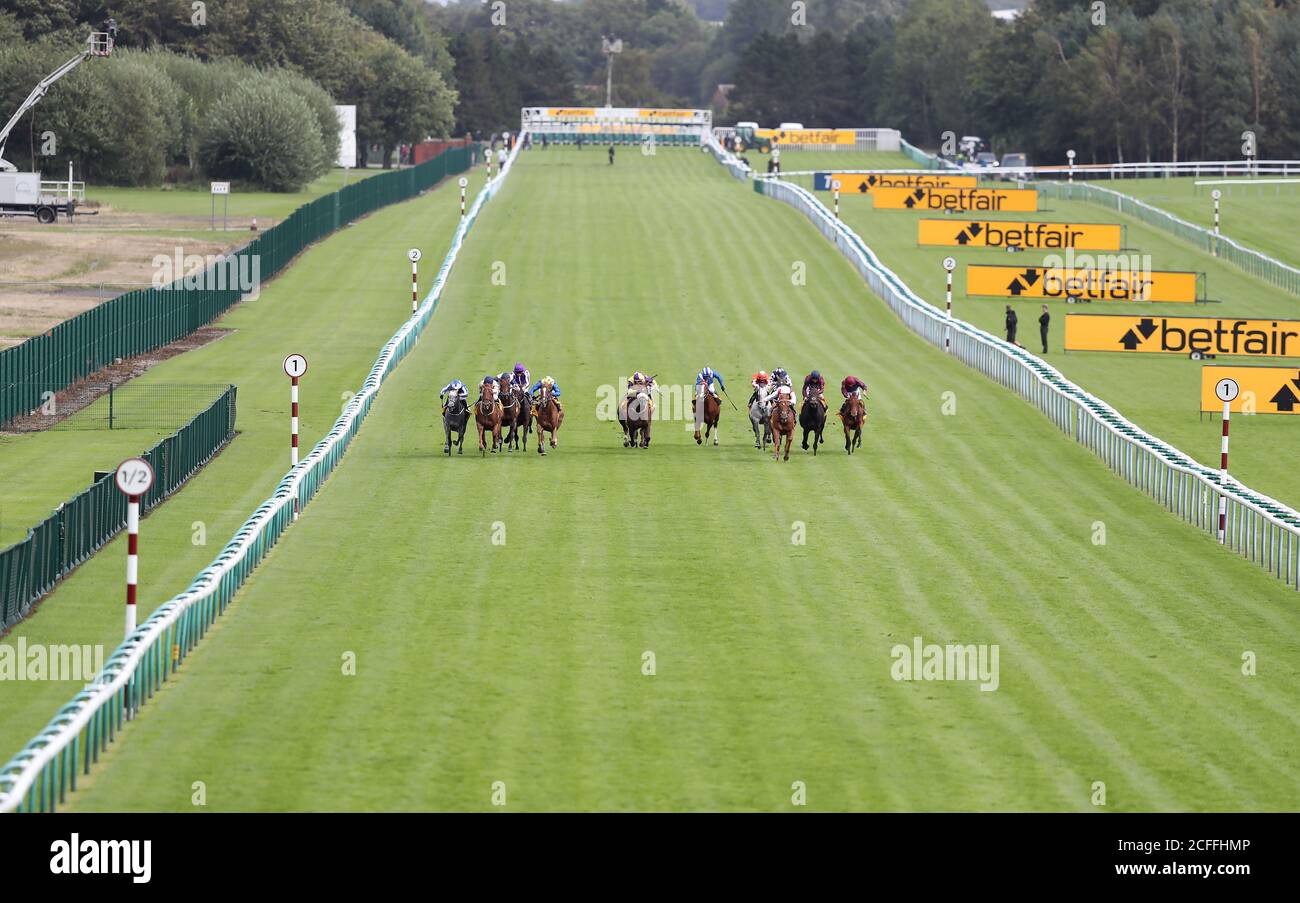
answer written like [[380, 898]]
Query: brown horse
[[549, 417], [518, 417], [712, 410], [487, 415], [853, 414], [638, 416], [783, 422]]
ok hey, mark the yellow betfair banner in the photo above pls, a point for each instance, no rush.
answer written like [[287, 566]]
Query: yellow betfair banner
[[1262, 390], [1182, 335], [1090, 285], [992, 200], [572, 112], [963, 233], [668, 114], [808, 136], [864, 183]]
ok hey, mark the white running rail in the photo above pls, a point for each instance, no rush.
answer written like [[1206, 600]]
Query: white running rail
[[45, 770]]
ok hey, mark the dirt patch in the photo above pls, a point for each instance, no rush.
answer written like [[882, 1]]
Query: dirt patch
[[49, 274], [85, 391]]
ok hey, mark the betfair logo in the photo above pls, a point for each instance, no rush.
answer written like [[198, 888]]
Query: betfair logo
[[994, 200], [984, 234], [1182, 335]]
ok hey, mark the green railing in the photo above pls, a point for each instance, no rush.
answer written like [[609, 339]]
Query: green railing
[[82, 525], [140, 321]]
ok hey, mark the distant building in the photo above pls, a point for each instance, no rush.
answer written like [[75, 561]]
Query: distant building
[[1007, 15]]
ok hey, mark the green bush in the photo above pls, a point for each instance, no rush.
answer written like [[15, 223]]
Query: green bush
[[264, 133], [322, 109]]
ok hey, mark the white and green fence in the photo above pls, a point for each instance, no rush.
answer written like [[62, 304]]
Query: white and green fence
[[41, 775]]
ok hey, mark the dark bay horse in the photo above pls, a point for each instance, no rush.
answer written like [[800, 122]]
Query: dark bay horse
[[782, 421], [853, 414], [549, 417], [708, 415], [637, 419], [487, 415], [518, 417], [455, 419], [812, 419]]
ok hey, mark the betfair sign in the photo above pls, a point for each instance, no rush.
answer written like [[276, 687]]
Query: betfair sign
[[1182, 335], [1262, 390], [983, 234], [993, 200], [866, 182], [1080, 284]]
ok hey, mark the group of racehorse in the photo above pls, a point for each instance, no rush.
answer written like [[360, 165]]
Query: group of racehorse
[[510, 409], [505, 415]]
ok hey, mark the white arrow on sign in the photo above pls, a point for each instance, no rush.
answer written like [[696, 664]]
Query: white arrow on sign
[[295, 365], [133, 476], [1226, 389]]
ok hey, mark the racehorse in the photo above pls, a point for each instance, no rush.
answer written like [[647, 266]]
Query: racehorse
[[487, 415], [707, 415], [455, 418], [549, 417], [760, 413], [812, 419], [637, 418], [782, 424], [853, 414], [519, 417]]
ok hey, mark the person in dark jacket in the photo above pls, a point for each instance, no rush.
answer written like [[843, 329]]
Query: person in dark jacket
[[1012, 323], [1043, 322], [611, 155]]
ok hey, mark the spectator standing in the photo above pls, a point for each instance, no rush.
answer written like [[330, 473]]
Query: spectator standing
[[1012, 323], [1043, 323]]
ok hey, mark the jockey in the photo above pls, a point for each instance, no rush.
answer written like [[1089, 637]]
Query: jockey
[[814, 384], [852, 386], [760, 384], [453, 389], [638, 382], [780, 378], [495, 383], [777, 391], [521, 377], [536, 390], [706, 377]]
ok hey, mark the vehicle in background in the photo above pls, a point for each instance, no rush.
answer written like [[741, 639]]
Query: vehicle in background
[[747, 136], [969, 146], [1013, 161], [984, 161]]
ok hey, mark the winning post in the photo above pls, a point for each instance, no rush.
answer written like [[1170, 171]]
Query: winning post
[[1226, 389], [949, 264], [414, 256], [134, 477]]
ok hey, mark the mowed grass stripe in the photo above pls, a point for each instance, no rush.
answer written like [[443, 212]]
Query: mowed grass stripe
[[338, 305], [522, 663]]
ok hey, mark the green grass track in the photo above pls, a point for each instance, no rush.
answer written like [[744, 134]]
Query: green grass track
[[523, 663]]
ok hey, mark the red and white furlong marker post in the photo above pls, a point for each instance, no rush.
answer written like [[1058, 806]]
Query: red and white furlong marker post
[[949, 264], [463, 183], [835, 186], [295, 365], [414, 256], [134, 477], [1227, 390], [1216, 194]]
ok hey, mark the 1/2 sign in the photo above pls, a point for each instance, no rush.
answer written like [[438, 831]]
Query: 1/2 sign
[[295, 365], [133, 476]]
